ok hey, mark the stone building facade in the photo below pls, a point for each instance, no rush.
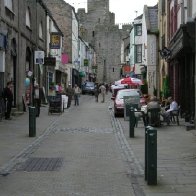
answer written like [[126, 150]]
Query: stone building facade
[[22, 38], [66, 18], [97, 27]]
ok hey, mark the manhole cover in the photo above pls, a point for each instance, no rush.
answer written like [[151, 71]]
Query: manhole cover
[[41, 164]]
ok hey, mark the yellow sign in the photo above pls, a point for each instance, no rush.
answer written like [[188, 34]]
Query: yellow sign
[[55, 41]]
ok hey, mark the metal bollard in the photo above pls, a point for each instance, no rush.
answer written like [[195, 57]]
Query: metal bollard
[[131, 122], [145, 151], [32, 121], [151, 156]]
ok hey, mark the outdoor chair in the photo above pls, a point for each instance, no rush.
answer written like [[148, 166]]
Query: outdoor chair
[[174, 116]]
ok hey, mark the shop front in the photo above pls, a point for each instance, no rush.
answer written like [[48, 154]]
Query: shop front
[[182, 68]]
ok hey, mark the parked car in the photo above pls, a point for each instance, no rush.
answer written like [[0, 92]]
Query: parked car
[[88, 87], [119, 101], [116, 88]]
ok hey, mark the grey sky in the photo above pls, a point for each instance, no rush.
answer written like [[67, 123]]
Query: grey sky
[[125, 10]]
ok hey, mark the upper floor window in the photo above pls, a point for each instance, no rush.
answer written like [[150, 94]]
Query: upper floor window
[[40, 30], [28, 18], [9, 4], [138, 52], [138, 29]]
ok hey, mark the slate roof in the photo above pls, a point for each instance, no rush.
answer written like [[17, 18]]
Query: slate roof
[[151, 15]]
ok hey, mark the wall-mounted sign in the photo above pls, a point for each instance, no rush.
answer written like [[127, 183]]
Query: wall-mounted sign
[[55, 41], [39, 57]]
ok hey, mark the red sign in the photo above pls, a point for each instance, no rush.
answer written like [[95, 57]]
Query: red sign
[[126, 68]]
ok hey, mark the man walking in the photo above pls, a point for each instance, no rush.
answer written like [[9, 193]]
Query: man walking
[[38, 97], [69, 93]]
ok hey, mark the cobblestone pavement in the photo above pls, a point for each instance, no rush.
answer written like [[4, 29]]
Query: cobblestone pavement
[[176, 159], [77, 154], [86, 151]]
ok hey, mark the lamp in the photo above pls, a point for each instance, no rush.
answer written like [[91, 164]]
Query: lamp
[[165, 53]]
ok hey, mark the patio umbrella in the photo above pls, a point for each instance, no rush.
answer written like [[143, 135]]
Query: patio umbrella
[[131, 81], [118, 82]]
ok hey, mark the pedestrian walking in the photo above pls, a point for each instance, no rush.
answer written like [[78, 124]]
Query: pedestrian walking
[[38, 97], [96, 92], [102, 89], [77, 92], [69, 92], [8, 99]]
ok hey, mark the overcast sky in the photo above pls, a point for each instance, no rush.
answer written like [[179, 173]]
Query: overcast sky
[[125, 10]]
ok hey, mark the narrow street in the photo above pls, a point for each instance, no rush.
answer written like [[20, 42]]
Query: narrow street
[[80, 155], [87, 152]]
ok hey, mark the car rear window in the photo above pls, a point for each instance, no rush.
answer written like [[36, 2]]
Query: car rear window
[[89, 84], [121, 94]]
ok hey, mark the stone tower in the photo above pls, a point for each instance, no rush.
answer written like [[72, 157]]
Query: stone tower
[[97, 27]]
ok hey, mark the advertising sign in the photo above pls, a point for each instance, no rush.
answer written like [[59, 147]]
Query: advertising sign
[[85, 62], [50, 61], [55, 41], [39, 57]]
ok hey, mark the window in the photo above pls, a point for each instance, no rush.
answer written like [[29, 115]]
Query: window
[[28, 18], [138, 29], [93, 33], [138, 52], [40, 30], [9, 4]]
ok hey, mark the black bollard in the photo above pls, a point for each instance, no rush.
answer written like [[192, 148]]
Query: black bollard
[[151, 156], [131, 122], [145, 151], [32, 121]]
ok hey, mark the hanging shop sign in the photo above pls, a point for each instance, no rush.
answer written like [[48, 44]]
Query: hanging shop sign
[[55, 41], [85, 62], [50, 61]]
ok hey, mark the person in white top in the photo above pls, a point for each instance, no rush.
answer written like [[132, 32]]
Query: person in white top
[[172, 107], [102, 89], [77, 92]]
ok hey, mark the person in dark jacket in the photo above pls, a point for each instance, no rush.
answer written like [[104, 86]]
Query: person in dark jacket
[[38, 97], [8, 99], [69, 93]]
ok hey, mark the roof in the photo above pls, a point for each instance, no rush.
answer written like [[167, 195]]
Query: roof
[[151, 15]]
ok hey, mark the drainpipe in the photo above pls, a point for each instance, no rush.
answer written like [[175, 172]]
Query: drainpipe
[[182, 12], [195, 73]]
